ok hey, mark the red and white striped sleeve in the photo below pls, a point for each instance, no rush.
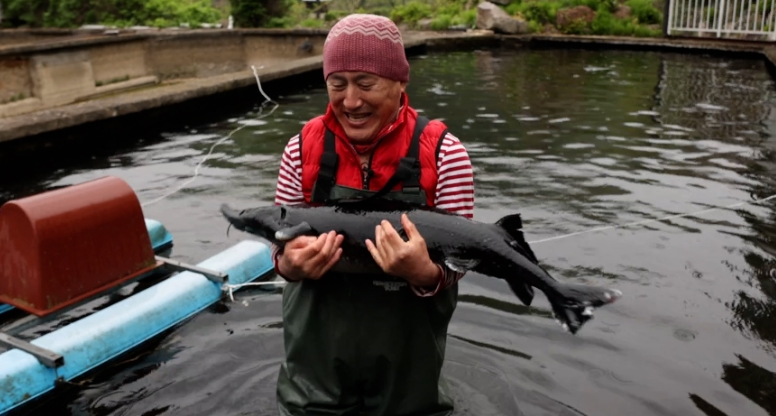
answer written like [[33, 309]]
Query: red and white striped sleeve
[[289, 186], [454, 193]]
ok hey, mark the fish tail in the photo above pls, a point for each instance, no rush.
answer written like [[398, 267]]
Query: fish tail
[[573, 305]]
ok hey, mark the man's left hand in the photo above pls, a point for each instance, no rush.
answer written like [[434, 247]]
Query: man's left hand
[[406, 259]]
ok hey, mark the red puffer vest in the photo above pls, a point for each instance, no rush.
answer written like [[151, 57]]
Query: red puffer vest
[[385, 157]]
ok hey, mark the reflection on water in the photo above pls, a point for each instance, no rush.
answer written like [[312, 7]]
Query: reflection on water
[[571, 139]]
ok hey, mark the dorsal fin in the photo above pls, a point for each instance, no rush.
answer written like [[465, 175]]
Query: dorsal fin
[[513, 225]]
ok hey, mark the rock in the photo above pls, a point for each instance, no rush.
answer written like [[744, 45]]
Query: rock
[[493, 17], [623, 12], [502, 2], [573, 18]]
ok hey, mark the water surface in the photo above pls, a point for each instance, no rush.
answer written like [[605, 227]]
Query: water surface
[[574, 140]]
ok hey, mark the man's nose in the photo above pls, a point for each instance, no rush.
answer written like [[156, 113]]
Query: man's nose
[[352, 97]]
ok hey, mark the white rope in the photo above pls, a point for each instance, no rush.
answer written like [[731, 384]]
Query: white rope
[[670, 217], [232, 288], [210, 152]]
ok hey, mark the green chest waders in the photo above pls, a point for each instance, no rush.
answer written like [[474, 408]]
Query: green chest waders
[[364, 344]]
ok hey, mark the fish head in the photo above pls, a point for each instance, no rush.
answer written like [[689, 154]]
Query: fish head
[[263, 222]]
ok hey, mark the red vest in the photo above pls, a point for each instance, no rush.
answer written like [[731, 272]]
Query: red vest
[[385, 156]]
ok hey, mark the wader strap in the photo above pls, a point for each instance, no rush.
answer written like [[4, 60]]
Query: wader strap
[[327, 173], [408, 171]]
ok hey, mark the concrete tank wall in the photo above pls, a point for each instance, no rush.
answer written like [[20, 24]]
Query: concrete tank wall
[[15, 82], [66, 69], [118, 61]]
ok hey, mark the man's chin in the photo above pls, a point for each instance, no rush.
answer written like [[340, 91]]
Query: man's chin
[[359, 136]]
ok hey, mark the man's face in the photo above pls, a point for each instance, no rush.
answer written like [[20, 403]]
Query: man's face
[[363, 103]]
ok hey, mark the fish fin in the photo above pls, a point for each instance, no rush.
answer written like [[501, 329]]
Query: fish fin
[[523, 291], [461, 265], [576, 303], [513, 225], [290, 233]]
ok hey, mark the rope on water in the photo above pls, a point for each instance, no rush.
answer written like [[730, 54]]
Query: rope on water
[[669, 217], [222, 140], [231, 288]]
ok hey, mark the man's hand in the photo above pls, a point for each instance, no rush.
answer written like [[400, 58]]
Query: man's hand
[[308, 257], [408, 260]]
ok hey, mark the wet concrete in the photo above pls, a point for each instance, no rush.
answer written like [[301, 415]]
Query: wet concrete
[[180, 89]]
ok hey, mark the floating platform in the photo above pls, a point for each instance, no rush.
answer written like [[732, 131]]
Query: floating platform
[[31, 368]]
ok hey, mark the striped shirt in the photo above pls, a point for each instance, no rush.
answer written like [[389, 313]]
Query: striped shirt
[[454, 191]]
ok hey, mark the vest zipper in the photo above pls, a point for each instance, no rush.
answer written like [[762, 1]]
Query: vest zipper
[[366, 174]]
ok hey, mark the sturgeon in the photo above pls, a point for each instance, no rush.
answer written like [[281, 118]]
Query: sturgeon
[[497, 250]]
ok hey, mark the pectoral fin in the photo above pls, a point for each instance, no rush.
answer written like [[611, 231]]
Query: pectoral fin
[[461, 265], [523, 291], [290, 233]]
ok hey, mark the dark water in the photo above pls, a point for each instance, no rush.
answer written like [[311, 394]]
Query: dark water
[[572, 139]]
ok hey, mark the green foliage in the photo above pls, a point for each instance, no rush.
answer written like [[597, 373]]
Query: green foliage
[[74, 13], [259, 13], [411, 12], [311, 23], [539, 13], [645, 11], [606, 24]]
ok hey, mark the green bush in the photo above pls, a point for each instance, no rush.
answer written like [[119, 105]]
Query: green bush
[[645, 11], [442, 22], [411, 12], [75, 13], [311, 23], [539, 13], [258, 13]]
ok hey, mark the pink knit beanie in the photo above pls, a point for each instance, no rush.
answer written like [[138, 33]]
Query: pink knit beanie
[[366, 43]]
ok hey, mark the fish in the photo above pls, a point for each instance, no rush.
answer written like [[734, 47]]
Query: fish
[[497, 250]]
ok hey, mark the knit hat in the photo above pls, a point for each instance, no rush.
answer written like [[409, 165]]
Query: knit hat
[[366, 43]]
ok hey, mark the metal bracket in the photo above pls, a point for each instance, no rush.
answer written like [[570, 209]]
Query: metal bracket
[[48, 358], [212, 275]]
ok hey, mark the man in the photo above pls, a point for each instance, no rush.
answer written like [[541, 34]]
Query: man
[[360, 344]]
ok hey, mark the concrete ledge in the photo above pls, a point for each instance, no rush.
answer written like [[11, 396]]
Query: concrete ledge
[[180, 90], [19, 107], [63, 41], [123, 86], [677, 44]]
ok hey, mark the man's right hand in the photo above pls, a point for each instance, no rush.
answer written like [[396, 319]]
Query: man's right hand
[[308, 257]]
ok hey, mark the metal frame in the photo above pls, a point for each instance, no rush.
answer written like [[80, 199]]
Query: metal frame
[[177, 266], [722, 18], [48, 358]]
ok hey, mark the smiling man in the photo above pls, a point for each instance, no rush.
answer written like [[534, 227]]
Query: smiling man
[[368, 344]]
